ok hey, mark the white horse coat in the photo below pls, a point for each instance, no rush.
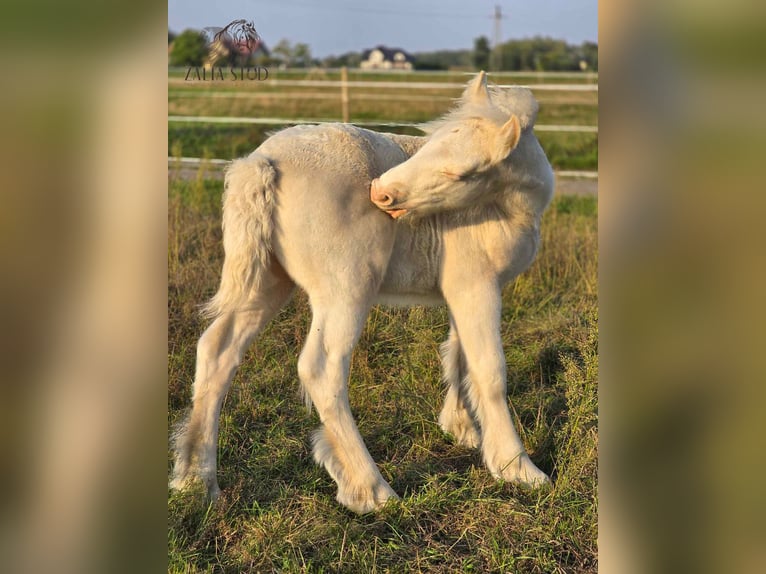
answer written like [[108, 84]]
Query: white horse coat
[[355, 217]]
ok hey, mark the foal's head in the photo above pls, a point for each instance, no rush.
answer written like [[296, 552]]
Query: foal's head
[[456, 167]]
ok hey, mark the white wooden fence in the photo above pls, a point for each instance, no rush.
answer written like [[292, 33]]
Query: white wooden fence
[[344, 84]]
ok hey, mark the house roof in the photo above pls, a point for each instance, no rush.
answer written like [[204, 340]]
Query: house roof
[[388, 53]]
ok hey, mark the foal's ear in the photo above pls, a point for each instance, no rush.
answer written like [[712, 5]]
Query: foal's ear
[[477, 90], [507, 138]]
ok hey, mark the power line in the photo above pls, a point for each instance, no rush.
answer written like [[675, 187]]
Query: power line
[[372, 10]]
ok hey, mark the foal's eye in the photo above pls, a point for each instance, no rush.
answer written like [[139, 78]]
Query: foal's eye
[[458, 174]]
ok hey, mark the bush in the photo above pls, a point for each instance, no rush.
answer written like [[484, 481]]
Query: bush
[[189, 49]]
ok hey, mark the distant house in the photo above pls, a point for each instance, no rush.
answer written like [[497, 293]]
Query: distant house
[[385, 58]]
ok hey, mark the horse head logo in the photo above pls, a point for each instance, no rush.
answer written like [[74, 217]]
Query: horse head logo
[[238, 38]]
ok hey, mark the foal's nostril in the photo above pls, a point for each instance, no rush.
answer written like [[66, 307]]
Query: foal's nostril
[[380, 196]]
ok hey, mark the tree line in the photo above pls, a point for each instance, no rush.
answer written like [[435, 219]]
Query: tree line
[[189, 48], [529, 54]]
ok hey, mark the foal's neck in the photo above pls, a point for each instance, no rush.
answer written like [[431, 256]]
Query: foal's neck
[[409, 144]]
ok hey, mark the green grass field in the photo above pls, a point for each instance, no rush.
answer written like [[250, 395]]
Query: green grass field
[[277, 511], [271, 99], [564, 150], [357, 74]]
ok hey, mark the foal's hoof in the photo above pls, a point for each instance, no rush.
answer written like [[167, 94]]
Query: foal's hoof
[[366, 500], [522, 471], [213, 492], [460, 426], [193, 483], [184, 482], [464, 435]]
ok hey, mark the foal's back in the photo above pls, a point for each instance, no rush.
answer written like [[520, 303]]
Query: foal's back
[[327, 235]]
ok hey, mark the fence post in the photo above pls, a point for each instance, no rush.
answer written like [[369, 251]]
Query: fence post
[[344, 92]]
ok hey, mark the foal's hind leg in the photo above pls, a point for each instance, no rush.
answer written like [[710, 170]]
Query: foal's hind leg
[[479, 329], [456, 417], [219, 353], [323, 368]]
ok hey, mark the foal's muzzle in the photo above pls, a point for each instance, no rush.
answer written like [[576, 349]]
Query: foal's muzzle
[[385, 199]]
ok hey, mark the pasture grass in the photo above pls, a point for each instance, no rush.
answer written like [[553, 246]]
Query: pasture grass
[[278, 512], [270, 99], [564, 150], [383, 104], [388, 104], [357, 74]]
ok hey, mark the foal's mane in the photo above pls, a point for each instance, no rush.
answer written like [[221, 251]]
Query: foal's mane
[[503, 102]]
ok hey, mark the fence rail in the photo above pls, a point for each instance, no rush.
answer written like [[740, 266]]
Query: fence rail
[[341, 88], [403, 85], [381, 123], [586, 76]]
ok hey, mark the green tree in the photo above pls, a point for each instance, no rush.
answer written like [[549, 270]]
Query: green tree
[[349, 59], [283, 52], [443, 59], [538, 54], [431, 65], [481, 52], [298, 55], [189, 49], [589, 51], [301, 55]]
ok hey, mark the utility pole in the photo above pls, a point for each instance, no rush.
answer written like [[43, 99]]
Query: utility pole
[[497, 55]]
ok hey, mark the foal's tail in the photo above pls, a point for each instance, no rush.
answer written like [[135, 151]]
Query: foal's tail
[[248, 207]]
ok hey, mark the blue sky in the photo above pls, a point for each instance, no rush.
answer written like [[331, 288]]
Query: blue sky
[[338, 26]]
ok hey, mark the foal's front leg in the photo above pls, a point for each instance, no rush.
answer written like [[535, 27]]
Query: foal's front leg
[[476, 312], [323, 368]]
